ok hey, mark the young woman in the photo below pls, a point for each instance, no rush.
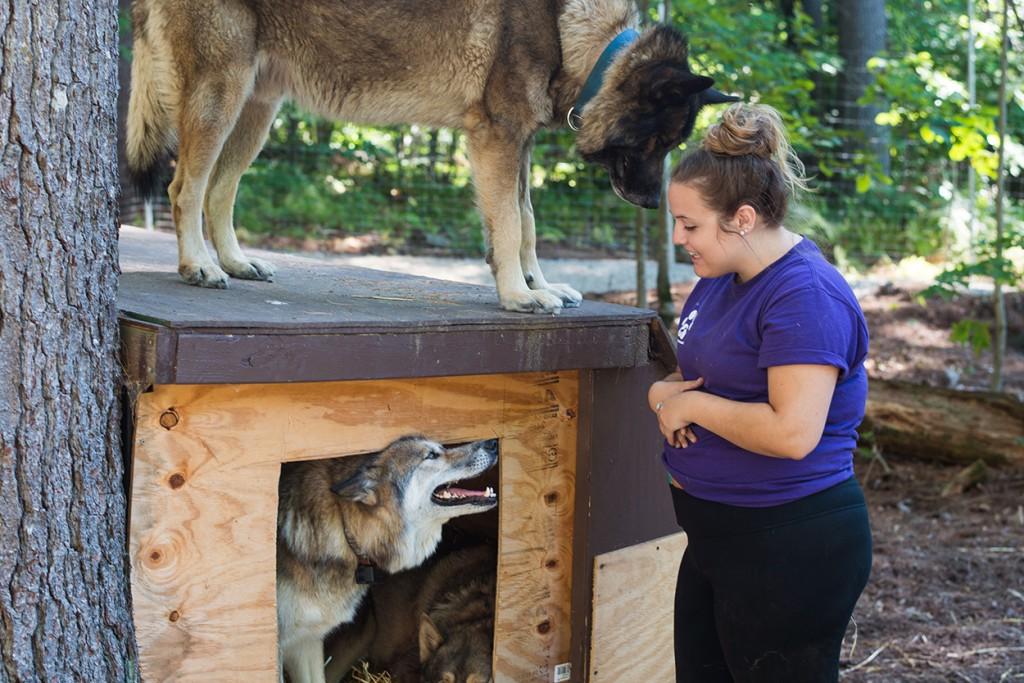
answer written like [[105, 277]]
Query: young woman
[[760, 421]]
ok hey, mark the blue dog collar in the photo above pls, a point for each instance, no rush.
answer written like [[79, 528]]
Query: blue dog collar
[[596, 77]]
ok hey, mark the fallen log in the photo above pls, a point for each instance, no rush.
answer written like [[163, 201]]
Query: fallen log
[[944, 425]]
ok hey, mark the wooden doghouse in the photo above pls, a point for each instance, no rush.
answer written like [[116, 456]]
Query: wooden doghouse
[[326, 361]]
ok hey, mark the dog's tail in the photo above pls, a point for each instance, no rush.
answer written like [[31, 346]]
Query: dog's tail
[[151, 137]]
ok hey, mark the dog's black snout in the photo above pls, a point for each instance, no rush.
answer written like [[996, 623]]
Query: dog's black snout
[[491, 446], [651, 201]]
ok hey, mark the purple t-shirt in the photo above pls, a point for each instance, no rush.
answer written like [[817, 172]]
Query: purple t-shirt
[[798, 310]]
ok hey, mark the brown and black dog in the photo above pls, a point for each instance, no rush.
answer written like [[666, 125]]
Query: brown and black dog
[[341, 516], [432, 623], [208, 77]]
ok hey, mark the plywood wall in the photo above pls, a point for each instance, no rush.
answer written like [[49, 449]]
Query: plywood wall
[[204, 507], [634, 594]]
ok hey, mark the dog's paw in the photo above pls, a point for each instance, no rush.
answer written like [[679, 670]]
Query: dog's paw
[[531, 301], [250, 269], [569, 296], [203, 275]]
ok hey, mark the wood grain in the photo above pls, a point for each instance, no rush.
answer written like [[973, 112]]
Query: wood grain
[[204, 506], [634, 589], [946, 425]]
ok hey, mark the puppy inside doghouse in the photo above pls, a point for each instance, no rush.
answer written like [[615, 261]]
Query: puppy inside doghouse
[[345, 523], [434, 623]]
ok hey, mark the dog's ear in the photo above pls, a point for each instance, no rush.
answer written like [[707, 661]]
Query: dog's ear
[[712, 96], [361, 487], [667, 84], [430, 638]]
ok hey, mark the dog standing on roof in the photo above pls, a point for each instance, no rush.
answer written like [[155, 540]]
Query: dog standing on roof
[[208, 77]]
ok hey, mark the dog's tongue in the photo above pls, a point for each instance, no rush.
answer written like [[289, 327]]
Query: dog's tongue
[[465, 493]]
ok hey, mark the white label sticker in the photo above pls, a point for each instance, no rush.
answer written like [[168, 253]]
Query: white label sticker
[[563, 672]]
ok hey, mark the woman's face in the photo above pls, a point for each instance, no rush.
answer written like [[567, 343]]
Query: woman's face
[[714, 251]]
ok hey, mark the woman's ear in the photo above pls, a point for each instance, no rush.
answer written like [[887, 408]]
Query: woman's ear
[[744, 219]]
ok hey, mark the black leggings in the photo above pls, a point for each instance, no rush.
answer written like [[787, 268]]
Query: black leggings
[[765, 594]]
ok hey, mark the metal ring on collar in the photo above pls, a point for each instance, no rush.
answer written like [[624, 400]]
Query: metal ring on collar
[[574, 120]]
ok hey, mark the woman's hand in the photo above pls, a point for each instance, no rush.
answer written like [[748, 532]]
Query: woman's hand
[[673, 421], [663, 393], [668, 387]]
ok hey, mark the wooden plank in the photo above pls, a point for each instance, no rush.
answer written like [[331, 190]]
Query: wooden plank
[[203, 568], [582, 570], [324, 322], [138, 356], [627, 456], [532, 628], [218, 358], [634, 596], [204, 503], [308, 294]]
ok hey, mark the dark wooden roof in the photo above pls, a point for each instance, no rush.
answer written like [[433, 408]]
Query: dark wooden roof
[[320, 321]]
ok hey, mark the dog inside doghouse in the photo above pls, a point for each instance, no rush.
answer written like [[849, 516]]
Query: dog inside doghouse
[[387, 564]]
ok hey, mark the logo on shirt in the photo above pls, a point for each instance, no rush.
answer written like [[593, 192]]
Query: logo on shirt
[[685, 325]]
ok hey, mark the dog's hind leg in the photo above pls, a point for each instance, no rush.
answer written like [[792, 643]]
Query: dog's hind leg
[[208, 114], [238, 152], [528, 249], [304, 661], [495, 155]]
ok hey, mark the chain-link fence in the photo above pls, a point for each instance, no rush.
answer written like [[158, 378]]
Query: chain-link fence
[[409, 189]]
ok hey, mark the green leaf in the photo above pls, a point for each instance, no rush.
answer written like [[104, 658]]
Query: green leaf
[[973, 333]]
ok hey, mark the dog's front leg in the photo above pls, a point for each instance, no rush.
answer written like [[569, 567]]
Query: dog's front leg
[[495, 156], [304, 661], [528, 249]]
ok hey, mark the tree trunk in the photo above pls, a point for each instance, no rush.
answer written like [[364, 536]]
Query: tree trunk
[[664, 252], [998, 301], [640, 254], [815, 12], [862, 30], [813, 9], [453, 149], [943, 424], [432, 155], [64, 604], [814, 37]]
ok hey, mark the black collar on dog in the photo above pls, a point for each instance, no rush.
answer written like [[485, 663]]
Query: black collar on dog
[[596, 77], [367, 572]]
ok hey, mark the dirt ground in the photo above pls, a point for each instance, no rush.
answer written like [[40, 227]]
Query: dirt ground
[[945, 601]]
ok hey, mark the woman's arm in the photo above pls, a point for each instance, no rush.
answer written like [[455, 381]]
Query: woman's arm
[[789, 425]]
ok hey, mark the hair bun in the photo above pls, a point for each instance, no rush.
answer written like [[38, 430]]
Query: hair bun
[[746, 129]]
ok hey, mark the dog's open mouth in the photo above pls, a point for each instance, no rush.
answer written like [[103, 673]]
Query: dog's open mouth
[[452, 495]]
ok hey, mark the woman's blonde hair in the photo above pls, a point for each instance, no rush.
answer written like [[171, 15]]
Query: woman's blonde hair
[[745, 158]]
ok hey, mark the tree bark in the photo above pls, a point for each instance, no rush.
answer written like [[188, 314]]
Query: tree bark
[[64, 603], [944, 425], [998, 300], [861, 27]]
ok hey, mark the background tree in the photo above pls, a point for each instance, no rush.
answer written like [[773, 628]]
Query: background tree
[[64, 606], [860, 27]]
